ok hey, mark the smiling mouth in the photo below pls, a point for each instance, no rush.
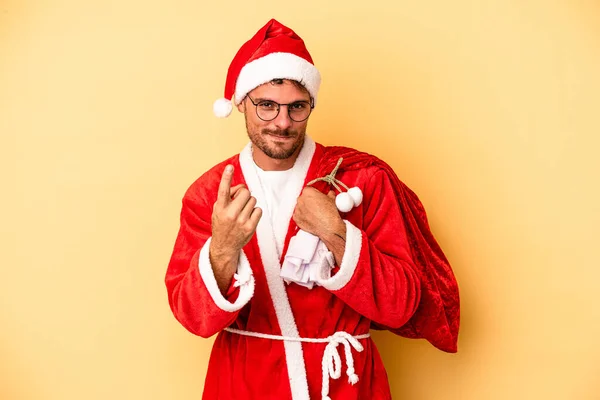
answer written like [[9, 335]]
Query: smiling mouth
[[280, 137]]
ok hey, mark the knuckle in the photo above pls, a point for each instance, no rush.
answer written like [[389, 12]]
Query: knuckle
[[245, 194], [249, 227]]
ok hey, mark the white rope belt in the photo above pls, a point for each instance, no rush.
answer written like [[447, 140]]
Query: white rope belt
[[331, 363]]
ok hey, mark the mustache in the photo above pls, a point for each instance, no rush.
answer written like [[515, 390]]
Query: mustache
[[280, 132]]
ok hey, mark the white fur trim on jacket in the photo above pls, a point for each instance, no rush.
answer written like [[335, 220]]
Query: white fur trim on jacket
[[349, 259], [243, 279], [270, 259], [277, 66]]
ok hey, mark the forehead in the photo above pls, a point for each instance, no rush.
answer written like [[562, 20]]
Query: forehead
[[285, 92]]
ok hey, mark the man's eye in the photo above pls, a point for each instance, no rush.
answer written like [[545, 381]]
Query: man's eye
[[267, 105], [298, 106]]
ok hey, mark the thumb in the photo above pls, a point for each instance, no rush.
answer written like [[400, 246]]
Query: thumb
[[331, 195]]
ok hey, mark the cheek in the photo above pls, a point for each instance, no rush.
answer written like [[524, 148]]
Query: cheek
[[253, 121], [301, 127]]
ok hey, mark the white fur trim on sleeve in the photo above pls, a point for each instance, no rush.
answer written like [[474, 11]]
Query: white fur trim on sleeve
[[349, 259], [244, 279]]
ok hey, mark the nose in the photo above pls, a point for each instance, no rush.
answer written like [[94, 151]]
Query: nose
[[283, 120]]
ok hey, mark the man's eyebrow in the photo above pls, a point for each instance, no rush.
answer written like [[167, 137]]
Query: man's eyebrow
[[259, 99]]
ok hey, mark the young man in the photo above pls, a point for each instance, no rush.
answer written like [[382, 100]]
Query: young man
[[281, 330]]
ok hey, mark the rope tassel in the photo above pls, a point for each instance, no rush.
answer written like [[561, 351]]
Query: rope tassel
[[331, 364], [344, 201]]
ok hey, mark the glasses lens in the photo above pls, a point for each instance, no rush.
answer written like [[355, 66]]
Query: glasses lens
[[267, 110], [299, 110]]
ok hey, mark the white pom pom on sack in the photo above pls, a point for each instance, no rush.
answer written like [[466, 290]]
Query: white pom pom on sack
[[357, 196], [222, 108], [344, 202]]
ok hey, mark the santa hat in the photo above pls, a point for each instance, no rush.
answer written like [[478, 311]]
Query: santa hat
[[274, 52]]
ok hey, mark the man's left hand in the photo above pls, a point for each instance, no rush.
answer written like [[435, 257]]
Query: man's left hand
[[316, 213]]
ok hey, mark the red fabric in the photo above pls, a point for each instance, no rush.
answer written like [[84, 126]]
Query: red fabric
[[438, 315], [274, 37], [387, 289]]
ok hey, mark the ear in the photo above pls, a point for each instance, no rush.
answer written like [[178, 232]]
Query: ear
[[242, 106], [331, 195]]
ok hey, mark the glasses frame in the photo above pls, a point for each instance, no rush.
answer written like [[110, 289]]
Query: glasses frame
[[311, 102]]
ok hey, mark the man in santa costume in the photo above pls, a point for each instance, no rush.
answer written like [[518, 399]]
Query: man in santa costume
[[292, 251]]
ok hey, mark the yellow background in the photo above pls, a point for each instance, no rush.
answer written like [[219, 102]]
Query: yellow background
[[487, 109]]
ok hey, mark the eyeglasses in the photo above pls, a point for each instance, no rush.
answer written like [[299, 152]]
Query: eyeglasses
[[268, 110]]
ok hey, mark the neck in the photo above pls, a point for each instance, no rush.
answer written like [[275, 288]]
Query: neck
[[267, 163]]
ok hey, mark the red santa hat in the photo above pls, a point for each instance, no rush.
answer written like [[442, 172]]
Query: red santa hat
[[274, 52]]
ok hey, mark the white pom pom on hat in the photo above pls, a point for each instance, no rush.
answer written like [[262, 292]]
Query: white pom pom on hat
[[274, 52], [222, 108]]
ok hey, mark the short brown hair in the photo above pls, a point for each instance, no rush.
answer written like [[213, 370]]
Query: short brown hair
[[298, 85]]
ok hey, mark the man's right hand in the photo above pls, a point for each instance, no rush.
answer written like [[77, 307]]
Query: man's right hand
[[234, 221]]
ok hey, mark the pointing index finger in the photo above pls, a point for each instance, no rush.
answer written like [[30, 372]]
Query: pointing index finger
[[223, 195]]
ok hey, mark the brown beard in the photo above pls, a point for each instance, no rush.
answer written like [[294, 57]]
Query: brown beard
[[259, 141]]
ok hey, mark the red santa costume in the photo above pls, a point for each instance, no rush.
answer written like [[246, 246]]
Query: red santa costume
[[285, 341]]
